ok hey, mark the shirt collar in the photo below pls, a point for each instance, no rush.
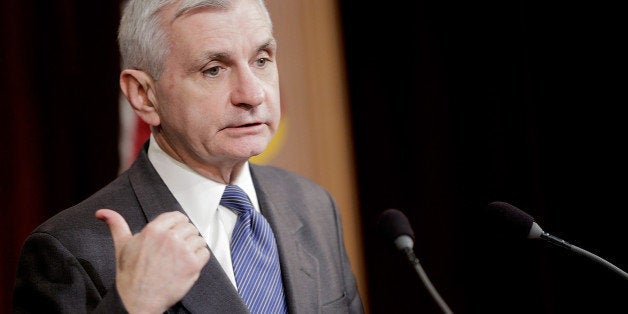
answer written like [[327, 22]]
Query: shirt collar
[[194, 191]]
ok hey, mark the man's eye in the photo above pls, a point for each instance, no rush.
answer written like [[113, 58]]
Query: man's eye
[[213, 71], [261, 62]]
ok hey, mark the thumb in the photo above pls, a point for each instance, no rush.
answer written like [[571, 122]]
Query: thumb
[[120, 231]]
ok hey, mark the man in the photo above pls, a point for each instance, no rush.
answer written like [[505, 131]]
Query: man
[[203, 75]]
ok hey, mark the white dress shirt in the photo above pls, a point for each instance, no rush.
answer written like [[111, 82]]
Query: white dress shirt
[[200, 199]]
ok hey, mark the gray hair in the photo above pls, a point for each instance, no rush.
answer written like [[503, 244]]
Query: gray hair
[[141, 36]]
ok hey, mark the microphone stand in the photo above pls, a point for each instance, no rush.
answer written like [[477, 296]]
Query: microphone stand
[[564, 244], [426, 281]]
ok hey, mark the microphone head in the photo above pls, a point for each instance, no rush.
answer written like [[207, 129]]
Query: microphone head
[[512, 220], [393, 224]]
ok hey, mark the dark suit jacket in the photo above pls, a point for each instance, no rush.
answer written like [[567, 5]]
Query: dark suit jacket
[[67, 265]]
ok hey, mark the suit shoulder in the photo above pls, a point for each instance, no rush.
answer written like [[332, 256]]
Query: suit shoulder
[[80, 217], [274, 173], [278, 178]]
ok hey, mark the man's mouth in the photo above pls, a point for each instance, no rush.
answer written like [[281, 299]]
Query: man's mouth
[[248, 125]]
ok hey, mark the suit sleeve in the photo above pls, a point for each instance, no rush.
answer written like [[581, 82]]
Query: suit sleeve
[[50, 279]]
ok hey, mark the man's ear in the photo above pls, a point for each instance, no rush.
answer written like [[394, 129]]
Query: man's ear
[[139, 89]]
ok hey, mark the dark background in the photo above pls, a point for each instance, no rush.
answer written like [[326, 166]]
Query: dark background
[[459, 103], [454, 104]]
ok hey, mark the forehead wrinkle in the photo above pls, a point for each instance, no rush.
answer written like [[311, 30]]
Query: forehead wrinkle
[[185, 9]]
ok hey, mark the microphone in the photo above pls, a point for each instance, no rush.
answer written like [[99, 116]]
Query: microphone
[[522, 224], [394, 225]]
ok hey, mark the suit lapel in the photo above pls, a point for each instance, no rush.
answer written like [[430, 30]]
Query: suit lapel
[[299, 267], [213, 291]]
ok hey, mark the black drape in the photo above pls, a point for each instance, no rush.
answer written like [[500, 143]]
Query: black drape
[[459, 103], [58, 82]]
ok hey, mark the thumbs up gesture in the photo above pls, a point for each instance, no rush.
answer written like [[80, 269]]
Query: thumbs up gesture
[[156, 267]]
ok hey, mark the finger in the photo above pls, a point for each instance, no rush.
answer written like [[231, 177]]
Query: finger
[[202, 252], [197, 243], [169, 220], [203, 256], [120, 231], [185, 230]]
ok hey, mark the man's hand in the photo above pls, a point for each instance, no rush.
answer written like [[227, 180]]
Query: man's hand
[[156, 267]]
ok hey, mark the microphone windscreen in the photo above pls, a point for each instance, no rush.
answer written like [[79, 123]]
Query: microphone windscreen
[[393, 223], [510, 219]]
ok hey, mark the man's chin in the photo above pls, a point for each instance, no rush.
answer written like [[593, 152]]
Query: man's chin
[[256, 153], [251, 152]]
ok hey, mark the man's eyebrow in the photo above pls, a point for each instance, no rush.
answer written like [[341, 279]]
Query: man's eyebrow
[[269, 44], [206, 58], [220, 56]]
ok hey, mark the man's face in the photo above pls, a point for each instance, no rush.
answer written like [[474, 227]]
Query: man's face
[[218, 96]]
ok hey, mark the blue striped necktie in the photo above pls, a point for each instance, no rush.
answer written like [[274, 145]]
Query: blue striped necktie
[[254, 256]]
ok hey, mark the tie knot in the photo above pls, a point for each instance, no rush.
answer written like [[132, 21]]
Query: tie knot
[[236, 199]]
